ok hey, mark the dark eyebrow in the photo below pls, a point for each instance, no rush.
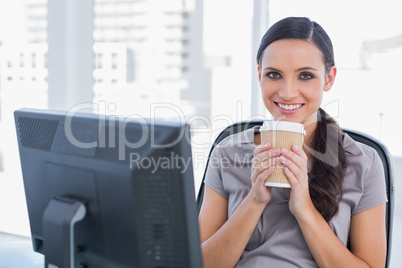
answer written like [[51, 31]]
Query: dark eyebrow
[[298, 70], [305, 68], [272, 69]]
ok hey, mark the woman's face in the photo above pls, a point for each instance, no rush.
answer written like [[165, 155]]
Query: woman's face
[[292, 79]]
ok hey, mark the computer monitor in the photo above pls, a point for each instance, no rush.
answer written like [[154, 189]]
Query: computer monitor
[[108, 191]]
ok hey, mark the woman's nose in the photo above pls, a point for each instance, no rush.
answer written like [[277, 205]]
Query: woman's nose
[[288, 90]]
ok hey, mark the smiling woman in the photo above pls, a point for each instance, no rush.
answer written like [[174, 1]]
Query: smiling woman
[[292, 75], [333, 215]]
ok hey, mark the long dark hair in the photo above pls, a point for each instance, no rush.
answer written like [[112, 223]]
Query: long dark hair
[[329, 160], [328, 165]]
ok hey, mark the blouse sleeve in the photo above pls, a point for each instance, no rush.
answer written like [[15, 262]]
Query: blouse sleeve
[[374, 190], [213, 176]]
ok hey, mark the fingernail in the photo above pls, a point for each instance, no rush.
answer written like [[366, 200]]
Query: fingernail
[[282, 159], [285, 151], [270, 168], [296, 147], [267, 145]]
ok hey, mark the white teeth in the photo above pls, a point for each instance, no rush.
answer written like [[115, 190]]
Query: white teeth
[[289, 107]]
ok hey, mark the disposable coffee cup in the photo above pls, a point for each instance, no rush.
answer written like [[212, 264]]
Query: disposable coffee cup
[[281, 134]]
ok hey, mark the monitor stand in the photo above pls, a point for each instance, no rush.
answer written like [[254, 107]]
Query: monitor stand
[[59, 219]]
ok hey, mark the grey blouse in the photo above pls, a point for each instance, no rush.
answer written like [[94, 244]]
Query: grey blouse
[[277, 240]]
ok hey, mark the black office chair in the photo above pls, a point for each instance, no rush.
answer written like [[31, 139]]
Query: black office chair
[[357, 136]]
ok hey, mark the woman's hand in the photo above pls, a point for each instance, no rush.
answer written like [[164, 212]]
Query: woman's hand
[[295, 169], [265, 158]]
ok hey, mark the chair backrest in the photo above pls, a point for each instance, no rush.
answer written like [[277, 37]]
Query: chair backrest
[[355, 135]]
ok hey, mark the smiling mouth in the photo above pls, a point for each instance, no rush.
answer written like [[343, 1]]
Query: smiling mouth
[[289, 107]]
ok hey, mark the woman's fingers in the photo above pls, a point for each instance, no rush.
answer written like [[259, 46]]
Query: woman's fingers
[[262, 176], [295, 159], [292, 167], [296, 155], [261, 148], [264, 156], [295, 162], [293, 181], [264, 159], [260, 165]]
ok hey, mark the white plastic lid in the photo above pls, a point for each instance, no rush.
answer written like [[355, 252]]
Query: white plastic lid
[[283, 126]]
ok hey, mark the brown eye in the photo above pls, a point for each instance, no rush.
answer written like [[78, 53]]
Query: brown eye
[[306, 76], [273, 75]]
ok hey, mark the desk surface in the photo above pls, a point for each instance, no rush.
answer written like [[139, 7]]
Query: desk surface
[[16, 252]]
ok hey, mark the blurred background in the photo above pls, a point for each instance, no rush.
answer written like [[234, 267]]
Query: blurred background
[[187, 59]]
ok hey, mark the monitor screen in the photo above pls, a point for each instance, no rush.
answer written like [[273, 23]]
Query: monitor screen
[[108, 191]]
